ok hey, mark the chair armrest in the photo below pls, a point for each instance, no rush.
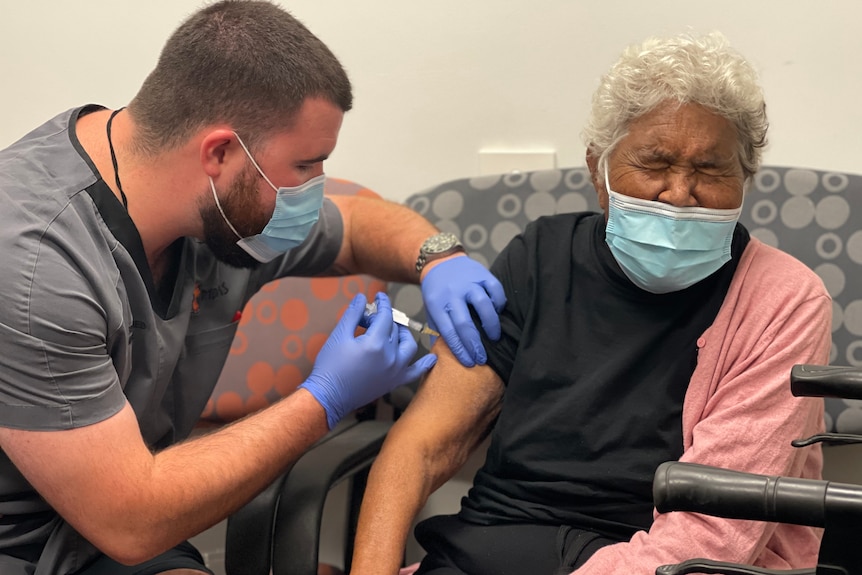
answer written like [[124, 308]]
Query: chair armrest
[[679, 486], [296, 535], [722, 568], [826, 381], [248, 542]]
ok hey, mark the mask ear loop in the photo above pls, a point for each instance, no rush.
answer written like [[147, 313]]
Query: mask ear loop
[[250, 157], [215, 195], [607, 181], [223, 215]]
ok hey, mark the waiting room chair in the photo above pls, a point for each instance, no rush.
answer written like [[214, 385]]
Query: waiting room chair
[[281, 330], [804, 212]]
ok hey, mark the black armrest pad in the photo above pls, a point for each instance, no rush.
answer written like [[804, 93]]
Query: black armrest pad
[[826, 381], [296, 537], [722, 568], [679, 486]]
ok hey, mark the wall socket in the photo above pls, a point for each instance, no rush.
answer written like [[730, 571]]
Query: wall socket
[[506, 161]]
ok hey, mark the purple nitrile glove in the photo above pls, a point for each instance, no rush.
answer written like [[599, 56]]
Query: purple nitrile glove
[[351, 371], [448, 289]]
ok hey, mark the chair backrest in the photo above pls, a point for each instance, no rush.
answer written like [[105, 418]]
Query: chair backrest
[[806, 213], [281, 331]]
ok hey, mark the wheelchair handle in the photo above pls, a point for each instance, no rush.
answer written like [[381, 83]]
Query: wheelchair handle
[[826, 381], [679, 486]]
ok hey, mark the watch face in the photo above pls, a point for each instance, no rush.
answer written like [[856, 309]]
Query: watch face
[[440, 243]]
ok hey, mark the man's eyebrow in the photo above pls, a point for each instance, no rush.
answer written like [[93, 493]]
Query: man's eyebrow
[[320, 158]]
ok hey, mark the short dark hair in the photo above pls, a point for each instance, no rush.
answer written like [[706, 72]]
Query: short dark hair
[[247, 63]]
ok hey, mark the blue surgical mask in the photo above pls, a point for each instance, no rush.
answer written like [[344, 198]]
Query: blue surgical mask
[[296, 211], [663, 248]]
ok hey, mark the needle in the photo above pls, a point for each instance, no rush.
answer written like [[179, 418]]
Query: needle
[[401, 318]]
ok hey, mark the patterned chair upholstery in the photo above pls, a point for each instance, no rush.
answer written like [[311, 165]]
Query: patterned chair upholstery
[[806, 213], [281, 331]]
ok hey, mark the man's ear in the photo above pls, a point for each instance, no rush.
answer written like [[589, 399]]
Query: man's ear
[[218, 148]]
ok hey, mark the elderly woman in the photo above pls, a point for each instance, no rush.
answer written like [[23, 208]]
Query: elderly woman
[[659, 330]]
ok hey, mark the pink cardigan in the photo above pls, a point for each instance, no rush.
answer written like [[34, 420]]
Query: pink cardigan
[[739, 414]]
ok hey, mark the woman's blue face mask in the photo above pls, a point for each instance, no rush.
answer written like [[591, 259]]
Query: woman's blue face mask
[[296, 211], [663, 248]]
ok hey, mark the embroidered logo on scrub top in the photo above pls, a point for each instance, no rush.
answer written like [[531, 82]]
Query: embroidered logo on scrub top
[[200, 294], [196, 302]]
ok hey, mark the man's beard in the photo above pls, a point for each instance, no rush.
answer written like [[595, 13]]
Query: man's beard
[[240, 205]]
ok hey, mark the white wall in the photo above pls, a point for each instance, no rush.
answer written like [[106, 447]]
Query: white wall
[[435, 82]]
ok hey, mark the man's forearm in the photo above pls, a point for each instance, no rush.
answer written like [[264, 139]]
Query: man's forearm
[[242, 459], [133, 504], [382, 238]]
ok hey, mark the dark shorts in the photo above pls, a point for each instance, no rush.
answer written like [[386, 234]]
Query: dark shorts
[[456, 547], [183, 556]]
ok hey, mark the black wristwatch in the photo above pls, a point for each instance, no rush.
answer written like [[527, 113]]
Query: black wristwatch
[[437, 246]]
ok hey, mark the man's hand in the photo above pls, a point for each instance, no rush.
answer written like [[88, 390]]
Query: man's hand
[[352, 371], [448, 289]]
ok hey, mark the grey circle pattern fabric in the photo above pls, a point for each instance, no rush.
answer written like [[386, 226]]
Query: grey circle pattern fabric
[[804, 212], [808, 213]]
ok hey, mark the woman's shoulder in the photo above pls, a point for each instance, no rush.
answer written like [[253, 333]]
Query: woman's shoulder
[[770, 268]]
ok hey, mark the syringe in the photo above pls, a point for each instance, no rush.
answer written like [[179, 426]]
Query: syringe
[[402, 318]]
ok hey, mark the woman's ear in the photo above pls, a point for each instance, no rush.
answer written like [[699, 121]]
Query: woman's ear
[[593, 165], [598, 180]]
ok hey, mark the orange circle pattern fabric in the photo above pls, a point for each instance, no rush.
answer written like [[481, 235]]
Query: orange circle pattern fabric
[[281, 330]]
